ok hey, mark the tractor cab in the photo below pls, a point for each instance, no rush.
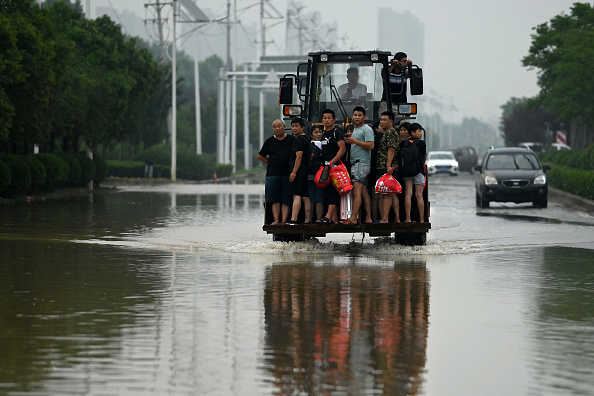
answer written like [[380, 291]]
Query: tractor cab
[[342, 81]]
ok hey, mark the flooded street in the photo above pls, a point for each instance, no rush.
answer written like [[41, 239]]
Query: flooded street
[[175, 289]]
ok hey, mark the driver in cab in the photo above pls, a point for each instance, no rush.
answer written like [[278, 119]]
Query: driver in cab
[[353, 90]]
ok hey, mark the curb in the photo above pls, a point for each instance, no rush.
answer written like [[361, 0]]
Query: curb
[[570, 199]]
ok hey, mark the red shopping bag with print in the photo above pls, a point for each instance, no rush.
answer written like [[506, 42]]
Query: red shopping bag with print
[[387, 184], [341, 179]]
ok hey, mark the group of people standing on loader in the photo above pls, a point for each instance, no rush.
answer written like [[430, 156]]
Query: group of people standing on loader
[[368, 153], [289, 180]]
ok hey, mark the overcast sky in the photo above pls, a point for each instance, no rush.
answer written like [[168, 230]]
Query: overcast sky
[[473, 48]]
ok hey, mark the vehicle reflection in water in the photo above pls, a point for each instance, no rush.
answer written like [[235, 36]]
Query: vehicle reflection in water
[[335, 328]]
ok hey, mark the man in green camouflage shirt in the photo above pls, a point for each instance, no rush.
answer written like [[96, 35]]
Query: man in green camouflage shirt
[[387, 162]]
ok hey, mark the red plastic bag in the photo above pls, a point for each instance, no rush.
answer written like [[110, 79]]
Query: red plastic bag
[[341, 179], [322, 178], [387, 185]]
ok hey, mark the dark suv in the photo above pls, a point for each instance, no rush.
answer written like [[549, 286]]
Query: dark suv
[[466, 157], [511, 175]]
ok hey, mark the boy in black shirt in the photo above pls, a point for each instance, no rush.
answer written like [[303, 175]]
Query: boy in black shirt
[[299, 174], [333, 148]]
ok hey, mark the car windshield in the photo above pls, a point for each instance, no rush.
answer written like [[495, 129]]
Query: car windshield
[[522, 161], [447, 156]]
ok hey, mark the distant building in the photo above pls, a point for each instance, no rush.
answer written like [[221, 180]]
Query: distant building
[[401, 31]]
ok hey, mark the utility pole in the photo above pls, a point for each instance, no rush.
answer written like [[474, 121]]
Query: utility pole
[[262, 33], [174, 96]]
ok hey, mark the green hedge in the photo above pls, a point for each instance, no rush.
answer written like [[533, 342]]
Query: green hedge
[[38, 173], [5, 176], [571, 170], [74, 169], [57, 170], [191, 166], [157, 154], [20, 174], [580, 159], [224, 170], [126, 168], [575, 181]]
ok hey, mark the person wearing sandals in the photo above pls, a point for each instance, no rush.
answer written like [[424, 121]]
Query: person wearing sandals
[[275, 153], [362, 143], [333, 148]]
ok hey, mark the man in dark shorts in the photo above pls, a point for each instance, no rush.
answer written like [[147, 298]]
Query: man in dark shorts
[[299, 174], [333, 148], [275, 153]]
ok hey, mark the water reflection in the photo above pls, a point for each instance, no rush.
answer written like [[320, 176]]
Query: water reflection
[[560, 357], [66, 310], [358, 330]]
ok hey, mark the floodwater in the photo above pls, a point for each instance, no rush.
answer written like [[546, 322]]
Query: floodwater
[[176, 290]]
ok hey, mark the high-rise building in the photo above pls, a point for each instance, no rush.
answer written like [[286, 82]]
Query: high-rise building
[[401, 31]]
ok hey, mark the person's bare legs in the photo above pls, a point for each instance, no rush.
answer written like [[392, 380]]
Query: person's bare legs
[[332, 213], [296, 207], [374, 207], [380, 205], [420, 201], [366, 204], [395, 207], [408, 191], [276, 210], [319, 210], [307, 208], [357, 187], [286, 212], [389, 201]]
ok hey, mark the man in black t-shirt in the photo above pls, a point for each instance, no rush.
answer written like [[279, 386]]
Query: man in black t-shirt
[[299, 174], [333, 148], [275, 153]]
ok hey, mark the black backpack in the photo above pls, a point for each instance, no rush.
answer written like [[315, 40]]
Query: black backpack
[[314, 158], [409, 158]]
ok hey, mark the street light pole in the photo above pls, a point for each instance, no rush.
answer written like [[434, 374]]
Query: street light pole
[[174, 98]]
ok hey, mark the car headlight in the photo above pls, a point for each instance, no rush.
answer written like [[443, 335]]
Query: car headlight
[[540, 179], [489, 180]]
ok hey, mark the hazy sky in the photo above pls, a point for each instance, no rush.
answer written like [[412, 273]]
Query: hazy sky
[[473, 48]]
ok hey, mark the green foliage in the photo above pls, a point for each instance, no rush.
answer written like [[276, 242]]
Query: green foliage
[[191, 166], [575, 181], [126, 168], [21, 175], [88, 169], [74, 167], [56, 168], [224, 170], [38, 173], [5, 176], [587, 160], [157, 154], [71, 80], [28, 80], [562, 50], [101, 169], [524, 121]]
